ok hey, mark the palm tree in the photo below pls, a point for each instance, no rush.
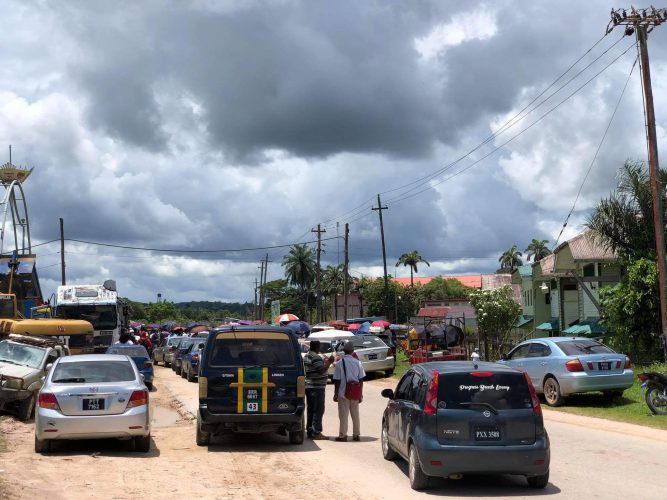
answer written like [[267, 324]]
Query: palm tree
[[624, 221], [511, 259], [300, 267], [537, 249], [411, 259]]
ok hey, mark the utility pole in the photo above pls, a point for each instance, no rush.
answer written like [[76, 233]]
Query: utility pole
[[261, 290], [266, 273], [62, 250], [641, 22], [379, 209], [346, 271], [318, 276], [254, 304]]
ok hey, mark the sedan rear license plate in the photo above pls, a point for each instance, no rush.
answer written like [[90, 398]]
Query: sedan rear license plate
[[93, 404], [372, 356], [605, 365], [487, 433]]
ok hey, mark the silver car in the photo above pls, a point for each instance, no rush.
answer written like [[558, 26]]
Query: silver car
[[93, 396], [373, 353], [560, 366]]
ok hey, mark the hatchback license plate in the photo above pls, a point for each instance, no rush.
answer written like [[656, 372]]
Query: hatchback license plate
[[605, 365], [487, 433], [93, 404], [372, 356]]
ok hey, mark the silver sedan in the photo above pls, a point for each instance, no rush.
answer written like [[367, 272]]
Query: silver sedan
[[560, 366], [93, 396]]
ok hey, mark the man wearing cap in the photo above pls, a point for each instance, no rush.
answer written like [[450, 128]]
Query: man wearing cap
[[348, 369], [316, 384], [475, 355]]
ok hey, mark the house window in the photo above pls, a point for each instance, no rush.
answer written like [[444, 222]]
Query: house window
[[589, 270]]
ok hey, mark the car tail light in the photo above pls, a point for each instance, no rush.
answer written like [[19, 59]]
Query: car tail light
[[481, 374], [138, 398], [431, 406], [203, 387], [147, 364], [628, 363], [537, 408], [48, 400], [390, 352], [574, 365], [301, 386]]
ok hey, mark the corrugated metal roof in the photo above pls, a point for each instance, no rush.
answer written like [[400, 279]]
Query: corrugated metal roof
[[472, 280], [526, 271], [433, 312], [523, 320], [586, 247], [549, 325]]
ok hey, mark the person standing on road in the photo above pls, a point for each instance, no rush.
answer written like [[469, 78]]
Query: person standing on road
[[475, 355], [348, 369], [316, 383]]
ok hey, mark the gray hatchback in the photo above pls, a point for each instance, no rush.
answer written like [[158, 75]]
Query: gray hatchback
[[454, 417]]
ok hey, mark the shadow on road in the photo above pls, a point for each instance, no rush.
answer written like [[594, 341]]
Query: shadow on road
[[259, 443], [100, 447], [596, 400]]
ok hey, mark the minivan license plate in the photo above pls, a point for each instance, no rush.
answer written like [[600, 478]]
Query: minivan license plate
[[93, 404], [487, 433]]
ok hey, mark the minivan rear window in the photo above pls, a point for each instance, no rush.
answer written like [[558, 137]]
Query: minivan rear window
[[503, 391], [252, 352]]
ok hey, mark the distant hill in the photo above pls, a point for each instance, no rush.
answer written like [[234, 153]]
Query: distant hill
[[230, 308]]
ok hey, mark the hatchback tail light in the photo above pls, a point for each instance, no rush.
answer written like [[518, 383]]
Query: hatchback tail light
[[48, 401], [537, 408], [138, 398], [643, 377], [628, 363], [431, 406], [390, 352], [574, 365], [481, 374]]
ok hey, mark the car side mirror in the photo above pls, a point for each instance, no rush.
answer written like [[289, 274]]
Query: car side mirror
[[43, 379], [143, 377], [48, 367], [387, 393], [201, 346]]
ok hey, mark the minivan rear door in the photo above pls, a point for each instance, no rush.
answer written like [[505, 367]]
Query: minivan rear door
[[252, 372], [485, 408]]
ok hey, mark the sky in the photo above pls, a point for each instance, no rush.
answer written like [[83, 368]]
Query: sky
[[233, 126]]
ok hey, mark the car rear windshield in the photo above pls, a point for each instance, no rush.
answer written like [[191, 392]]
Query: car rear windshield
[[364, 342], [136, 351], [82, 372], [584, 346], [252, 352], [503, 391]]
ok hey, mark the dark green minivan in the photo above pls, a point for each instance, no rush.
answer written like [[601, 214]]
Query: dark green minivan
[[251, 380]]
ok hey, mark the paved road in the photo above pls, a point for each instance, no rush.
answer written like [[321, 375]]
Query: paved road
[[591, 458]]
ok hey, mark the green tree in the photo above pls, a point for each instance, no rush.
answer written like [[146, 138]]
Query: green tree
[[444, 288], [300, 270], [137, 311], [290, 298], [631, 312], [411, 259], [404, 301], [511, 259], [537, 249], [496, 312], [623, 222], [332, 284], [161, 311]]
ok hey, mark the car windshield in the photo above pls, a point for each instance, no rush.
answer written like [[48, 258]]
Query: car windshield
[[502, 391], [252, 352], [80, 372], [102, 317], [21, 354], [134, 351], [583, 346]]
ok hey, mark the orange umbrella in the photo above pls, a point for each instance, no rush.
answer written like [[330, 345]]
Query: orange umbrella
[[284, 318]]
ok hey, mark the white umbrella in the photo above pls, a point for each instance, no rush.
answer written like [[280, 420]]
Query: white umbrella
[[328, 334]]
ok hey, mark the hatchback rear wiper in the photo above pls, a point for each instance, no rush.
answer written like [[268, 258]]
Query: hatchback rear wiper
[[488, 405], [71, 380]]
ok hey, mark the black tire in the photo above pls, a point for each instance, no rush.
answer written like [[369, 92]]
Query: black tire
[[149, 385], [27, 408], [387, 451], [656, 400], [389, 373], [190, 376], [418, 480], [166, 365], [178, 370], [538, 482], [552, 394], [142, 444], [42, 446], [154, 360], [202, 438], [298, 436]]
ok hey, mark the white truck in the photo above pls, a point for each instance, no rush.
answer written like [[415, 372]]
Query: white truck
[[98, 304]]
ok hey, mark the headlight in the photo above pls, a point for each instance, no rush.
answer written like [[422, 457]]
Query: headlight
[[10, 382]]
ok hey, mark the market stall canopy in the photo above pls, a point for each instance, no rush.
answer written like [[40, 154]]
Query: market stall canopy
[[550, 326], [588, 327]]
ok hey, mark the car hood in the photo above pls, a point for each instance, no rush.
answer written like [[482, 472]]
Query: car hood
[[18, 371]]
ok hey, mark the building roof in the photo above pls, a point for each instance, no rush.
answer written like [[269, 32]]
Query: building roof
[[493, 281], [471, 280], [433, 312], [586, 247]]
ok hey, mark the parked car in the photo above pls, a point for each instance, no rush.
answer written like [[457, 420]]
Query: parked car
[[93, 396], [560, 366], [190, 362], [449, 418], [373, 353], [140, 357], [164, 353], [24, 361], [182, 347], [251, 379]]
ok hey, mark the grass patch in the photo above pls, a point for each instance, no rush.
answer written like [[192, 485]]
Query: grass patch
[[630, 408], [402, 364]]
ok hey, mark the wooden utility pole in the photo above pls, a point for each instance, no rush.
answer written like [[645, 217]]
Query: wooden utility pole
[[379, 209], [641, 22], [346, 271], [254, 304], [62, 252], [261, 290], [318, 271]]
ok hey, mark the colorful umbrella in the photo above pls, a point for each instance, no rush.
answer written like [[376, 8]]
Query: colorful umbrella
[[246, 322], [285, 318], [353, 326], [381, 322], [299, 327], [199, 328]]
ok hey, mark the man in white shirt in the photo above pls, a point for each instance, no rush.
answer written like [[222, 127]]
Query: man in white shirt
[[348, 369]]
